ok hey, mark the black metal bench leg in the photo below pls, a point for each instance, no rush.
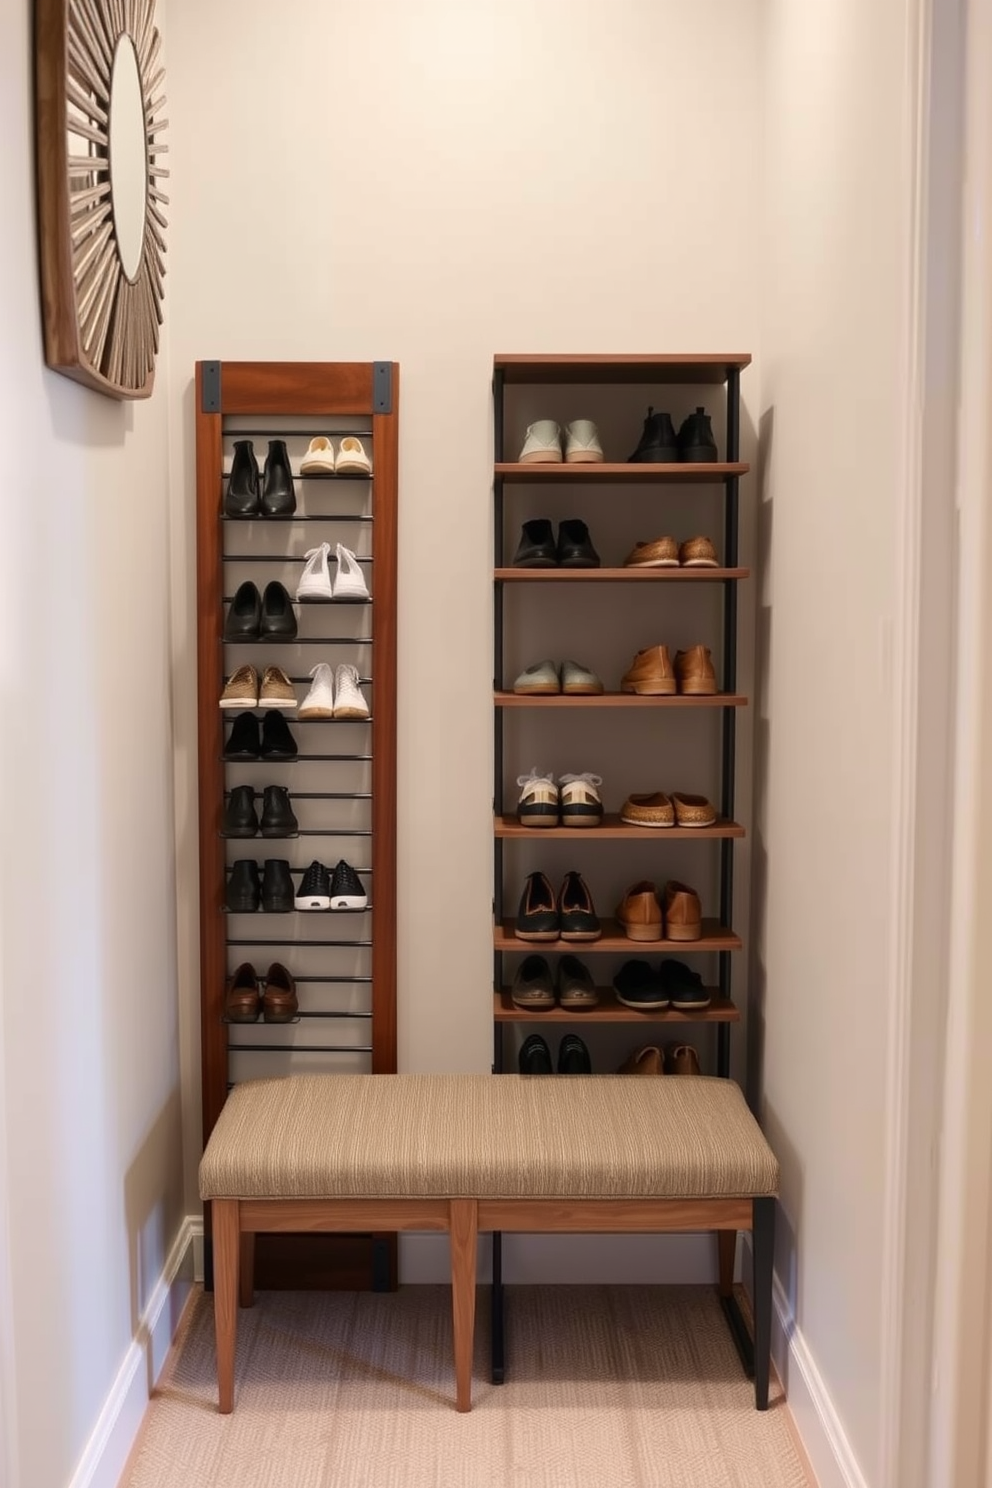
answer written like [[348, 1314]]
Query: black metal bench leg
[[496, 1304], [763, 1232]]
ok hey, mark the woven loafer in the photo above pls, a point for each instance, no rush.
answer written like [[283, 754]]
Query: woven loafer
[[276, 690], [661, 552], [698, 552], [532, 988], [652, 810], [241, 690], [692, 811]]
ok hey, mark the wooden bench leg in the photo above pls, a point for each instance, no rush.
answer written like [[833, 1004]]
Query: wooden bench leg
[[464, 1235], [226, 1258], [764, 1254], [727, 1249], [246, 1276]]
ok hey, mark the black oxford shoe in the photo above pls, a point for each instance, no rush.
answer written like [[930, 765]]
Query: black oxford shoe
[[575, 549], [573, 1056], [278, 618], [243, 742], [277, 886], [277, 739], [244, 618], [239, 813], [278, 493], [242, 495], [278, 819], [243, 887], [535, 1056], [536, 548]]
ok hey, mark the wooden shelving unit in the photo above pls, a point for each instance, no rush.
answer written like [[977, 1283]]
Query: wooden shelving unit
[[610, 1010], [503, 699], [715, 937], [613, 828], [619, 575], [611, 473]]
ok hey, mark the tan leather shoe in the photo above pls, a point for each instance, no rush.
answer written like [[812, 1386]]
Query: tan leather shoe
[[698, 552], [661, 552], [639, 912], [681, 1059], [683, 913], [646, 1061], [653, 810], [651, 674], [694, 671], [692, 811]]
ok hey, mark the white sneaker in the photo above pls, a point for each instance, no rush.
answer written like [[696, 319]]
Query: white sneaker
[[348, 699], [582, 446], [352, 459], [538, 803], [581, 803], [319, 701], [349, 581], [315, 580], [542, 446], [319, 458]]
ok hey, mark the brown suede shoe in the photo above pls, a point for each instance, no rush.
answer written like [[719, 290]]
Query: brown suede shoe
[[662, 552], [646, 1061], [639, 912], [650, 674], [279, 1002], [683, 914], [692, 811], [694, 670], [698, 552], [242, 999], [681, 1059]]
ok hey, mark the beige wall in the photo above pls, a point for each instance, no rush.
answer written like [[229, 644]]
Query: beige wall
[[93, 1194]]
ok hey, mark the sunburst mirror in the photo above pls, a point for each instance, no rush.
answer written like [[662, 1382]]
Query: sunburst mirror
[[101, 204]]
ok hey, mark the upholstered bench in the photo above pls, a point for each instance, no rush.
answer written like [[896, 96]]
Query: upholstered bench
[[465, 1153]]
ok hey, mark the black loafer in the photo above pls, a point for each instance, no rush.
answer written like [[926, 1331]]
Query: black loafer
[[244, 618], [573, 1056], [658, 444], [278, 618], [278, 494], [277, 886], [575, 549], [242, 894], [537, 917], [277, 741], [243, 741], [536, 548], [242, 498], [532, 988], [239, 813], [638, 985], [577, 915], [278, 818], [684, 987], [696, 442], [535, 1056]]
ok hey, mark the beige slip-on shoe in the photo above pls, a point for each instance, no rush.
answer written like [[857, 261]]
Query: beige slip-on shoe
[[352, 458], [683, 913], [276, 690], [652, 810], [698, 552], [639, 912], [692, 811], [694, 672], [650, 674], [661, 552], [241, 689], [319, 458]]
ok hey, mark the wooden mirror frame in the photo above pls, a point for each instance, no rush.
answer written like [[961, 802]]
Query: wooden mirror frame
[[101, 328]]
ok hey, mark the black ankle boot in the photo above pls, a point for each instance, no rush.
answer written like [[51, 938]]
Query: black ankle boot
[[696, 442], [278, 819], [278, 495], [239, 813], [658, 445], [242, 486], [242, 887], [277, 886]]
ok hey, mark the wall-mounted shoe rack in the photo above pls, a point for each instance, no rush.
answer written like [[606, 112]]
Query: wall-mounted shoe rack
[[342, 783], [535, 608]]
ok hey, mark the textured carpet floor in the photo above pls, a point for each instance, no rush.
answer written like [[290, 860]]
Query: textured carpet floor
[[611, 1387]]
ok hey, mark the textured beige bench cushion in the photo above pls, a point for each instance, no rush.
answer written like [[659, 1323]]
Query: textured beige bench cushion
[[487, 1136]]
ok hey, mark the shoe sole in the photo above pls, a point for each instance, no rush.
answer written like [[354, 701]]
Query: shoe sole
[[535, 935], [351, 713], [534, 563], [700, 563], [288, 705], [349, 901], [578, 562], [541, 457], [656, 454], [315, 467], [284, 836], [689, 1006], [578, 822], [312, 901], [537, 816], [689, 826], [649, 1005], [353, 467], [584, 457], [699, 456], [583, 689], [656, 563], [580, 935], [280, 1017], [660, 688], [315, 713], [685, 932], [241, 1015], [532, 1004], [576, 1004], [694, 688], [537, 689], [656, 826], [651, 931], [314, 596], [241, 702]]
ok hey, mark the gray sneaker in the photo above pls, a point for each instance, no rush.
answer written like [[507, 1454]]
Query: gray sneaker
[[575, 678], [541, 678]]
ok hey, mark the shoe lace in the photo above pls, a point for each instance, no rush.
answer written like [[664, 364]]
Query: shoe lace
[[347, 673], [586, 777], [321, 548], [322, 672], [535, 777]]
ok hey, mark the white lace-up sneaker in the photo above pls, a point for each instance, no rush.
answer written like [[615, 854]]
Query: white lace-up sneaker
[[352, 459], [581, 805], [538, 803], [349, 581], [542, 444], [348, 699], [582, 446], [319, 458], [319, 701], [315, 580]]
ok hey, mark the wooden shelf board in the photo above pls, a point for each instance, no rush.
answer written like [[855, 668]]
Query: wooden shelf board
[[610, 1010], [616, 575], [715, 937], [679, 474], [504, 699], [612, 827], [667, 367]]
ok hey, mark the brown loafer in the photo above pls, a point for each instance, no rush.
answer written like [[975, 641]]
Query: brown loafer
[[662, 552], [646, 1061], [242, 998], [694, 672], [681, 1059], [279, 1001], [652, 810], [692, 811], [683, 913], [650, 674], [639, 912], [698, 552]]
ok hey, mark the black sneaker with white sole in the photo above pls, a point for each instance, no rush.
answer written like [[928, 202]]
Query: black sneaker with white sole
[[315, 888], [347, 891]]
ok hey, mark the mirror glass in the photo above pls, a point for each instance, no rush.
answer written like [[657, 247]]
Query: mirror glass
[[128, 162]]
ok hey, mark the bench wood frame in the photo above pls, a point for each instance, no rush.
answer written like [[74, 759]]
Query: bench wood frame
[[237, 1221]]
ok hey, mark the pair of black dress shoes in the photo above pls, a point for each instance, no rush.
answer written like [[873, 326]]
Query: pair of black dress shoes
[[539, 549], [272, 495], [277, 817], [274, 741], [660, 445], [573, 1056], [256, 617], [247, 889]]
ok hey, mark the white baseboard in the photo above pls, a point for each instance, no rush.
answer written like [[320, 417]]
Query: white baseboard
[[576, 1260], [106, 1453], [830, 1453]]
